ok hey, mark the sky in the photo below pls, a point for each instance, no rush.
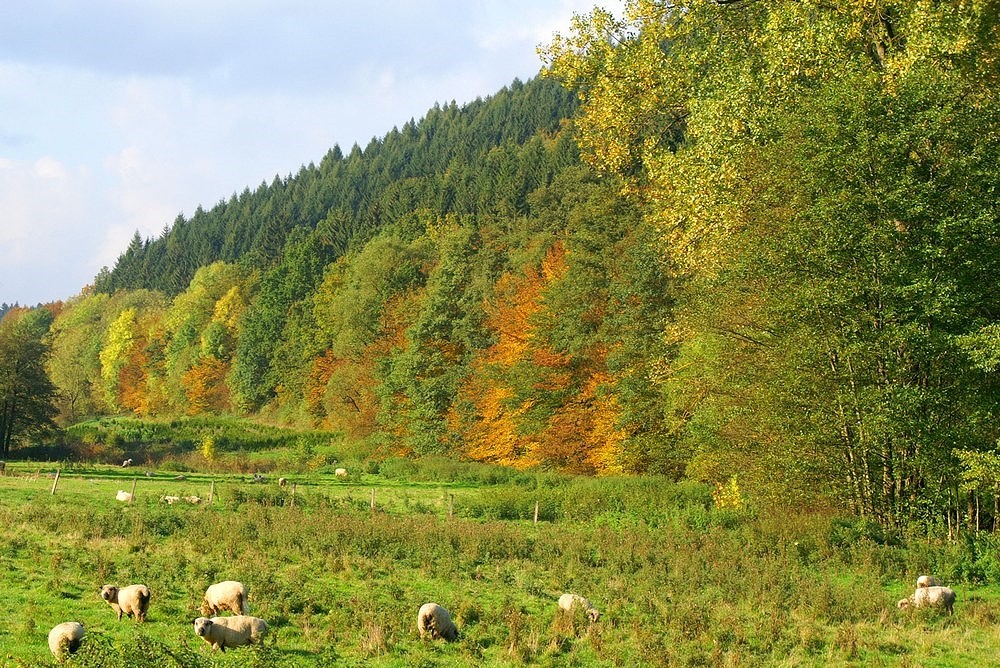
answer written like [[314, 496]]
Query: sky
[[117, 116]]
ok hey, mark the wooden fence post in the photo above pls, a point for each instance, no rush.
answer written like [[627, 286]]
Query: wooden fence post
[[55, 482], [536, 511], [293, 495], [211, 492], [373, 500], [131, 498]]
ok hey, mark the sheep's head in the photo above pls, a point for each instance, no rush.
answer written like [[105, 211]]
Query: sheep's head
[[593, 614], [109, 592], [202, 625], [904, 603]]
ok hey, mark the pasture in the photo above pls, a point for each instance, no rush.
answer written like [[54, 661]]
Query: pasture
[[677, 581]]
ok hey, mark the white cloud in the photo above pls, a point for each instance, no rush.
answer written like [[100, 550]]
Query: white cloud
[[118, 117]]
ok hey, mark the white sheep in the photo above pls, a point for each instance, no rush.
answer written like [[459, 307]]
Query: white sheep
[[435, 621], [65, 638], [124, 496], [169, 499], [127, 463], [569, 602], [930, 597], [229, 595], [340, 473], [235, 631], [282, 482], [927, 581], [193, 499], [132, 600]]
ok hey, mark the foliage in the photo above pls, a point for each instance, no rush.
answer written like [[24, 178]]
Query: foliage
[[27, 396]]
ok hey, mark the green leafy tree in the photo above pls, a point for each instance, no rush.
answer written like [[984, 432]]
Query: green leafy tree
[[27, 396]]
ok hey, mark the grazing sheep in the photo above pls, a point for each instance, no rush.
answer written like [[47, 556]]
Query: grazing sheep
[[65, 638], [259, 478], [340, 473], [124, 496], [568, 602], [127, 463], [435, 621], [229, 595], [930, 597], [282, 482], [131, 600], [236, 631], [193, 499], [169, 500], [927, 581]]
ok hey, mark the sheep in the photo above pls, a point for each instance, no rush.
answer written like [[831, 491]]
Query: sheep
[[928, 597], [132, 600], [927, 581], [169, 499], [282, 482], [235, 631], [193, 499], [124, 496], [435, 621], [127, 463], [340, 473], [229, 595], [65, 638], [568, 602]]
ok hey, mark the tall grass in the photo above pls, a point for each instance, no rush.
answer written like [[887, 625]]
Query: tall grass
[[678, 582]]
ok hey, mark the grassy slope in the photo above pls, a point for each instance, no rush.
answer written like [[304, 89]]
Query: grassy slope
[[677, 584]]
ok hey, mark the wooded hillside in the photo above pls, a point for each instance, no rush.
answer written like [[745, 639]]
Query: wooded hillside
[[774, 267]]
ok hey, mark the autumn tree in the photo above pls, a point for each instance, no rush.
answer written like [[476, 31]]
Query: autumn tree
[[820, 177]]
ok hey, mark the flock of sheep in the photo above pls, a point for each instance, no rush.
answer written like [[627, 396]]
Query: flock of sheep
[[433, 620], [240, 628], [220, 632]]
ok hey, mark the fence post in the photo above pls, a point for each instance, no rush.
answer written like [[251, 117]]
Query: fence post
[[55, 482], [373, 500], [536, 511], [211, 492], [132, 497], [451, 505], [293, 495]]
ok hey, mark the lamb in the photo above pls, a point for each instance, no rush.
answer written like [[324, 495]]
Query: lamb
[[229, 595], [930, 597], [235, 631], [131, 601], [927, 581], [124, 496], [65, 638], [340, 473], [568, 602], [435, 621], [127, 463]]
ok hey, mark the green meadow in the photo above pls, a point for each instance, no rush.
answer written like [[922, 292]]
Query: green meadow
[[678, 582]]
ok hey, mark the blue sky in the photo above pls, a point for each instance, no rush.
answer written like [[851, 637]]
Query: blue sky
[[118, 115]]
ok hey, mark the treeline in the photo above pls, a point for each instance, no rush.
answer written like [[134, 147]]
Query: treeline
[[464, 285], [773, 269]]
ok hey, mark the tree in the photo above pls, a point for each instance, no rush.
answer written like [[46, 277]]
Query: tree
[[823, 179], [27, 396]]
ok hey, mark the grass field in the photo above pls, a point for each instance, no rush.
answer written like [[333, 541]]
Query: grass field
[[678, 582]]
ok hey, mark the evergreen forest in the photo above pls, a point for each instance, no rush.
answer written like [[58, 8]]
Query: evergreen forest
[[754, 244]]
